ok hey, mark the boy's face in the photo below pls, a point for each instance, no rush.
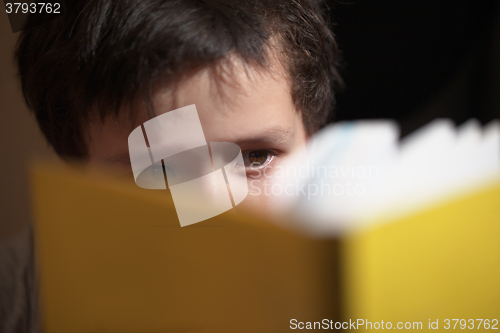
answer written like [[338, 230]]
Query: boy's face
[[252, 108]]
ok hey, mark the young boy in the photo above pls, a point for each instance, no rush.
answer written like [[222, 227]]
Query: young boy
[[261, 73]]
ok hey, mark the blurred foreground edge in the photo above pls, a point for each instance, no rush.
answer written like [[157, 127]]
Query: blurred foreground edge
[[113, 258]]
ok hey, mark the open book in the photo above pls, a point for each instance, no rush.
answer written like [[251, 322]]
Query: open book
[[356, 173], [419, 243]]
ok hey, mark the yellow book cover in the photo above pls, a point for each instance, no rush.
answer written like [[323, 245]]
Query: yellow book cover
[[113, 258]]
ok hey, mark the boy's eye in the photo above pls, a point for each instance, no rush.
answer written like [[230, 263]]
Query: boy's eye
[[256, 159]]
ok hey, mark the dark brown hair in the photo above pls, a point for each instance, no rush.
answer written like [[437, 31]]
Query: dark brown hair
[[112, 52]]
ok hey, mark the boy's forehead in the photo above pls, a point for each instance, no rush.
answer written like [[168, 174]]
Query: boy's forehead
[[256, 99], [242, 105]]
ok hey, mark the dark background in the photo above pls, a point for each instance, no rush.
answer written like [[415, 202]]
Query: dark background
[[418, 60]]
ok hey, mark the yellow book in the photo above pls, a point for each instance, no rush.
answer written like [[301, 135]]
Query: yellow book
[[113, 258]]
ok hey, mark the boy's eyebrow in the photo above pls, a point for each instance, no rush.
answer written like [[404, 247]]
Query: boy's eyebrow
[[271, 135]]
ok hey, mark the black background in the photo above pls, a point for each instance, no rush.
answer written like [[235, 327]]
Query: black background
[[417, 60]]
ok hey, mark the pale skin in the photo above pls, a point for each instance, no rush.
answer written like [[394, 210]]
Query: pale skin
[[252, 108]]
